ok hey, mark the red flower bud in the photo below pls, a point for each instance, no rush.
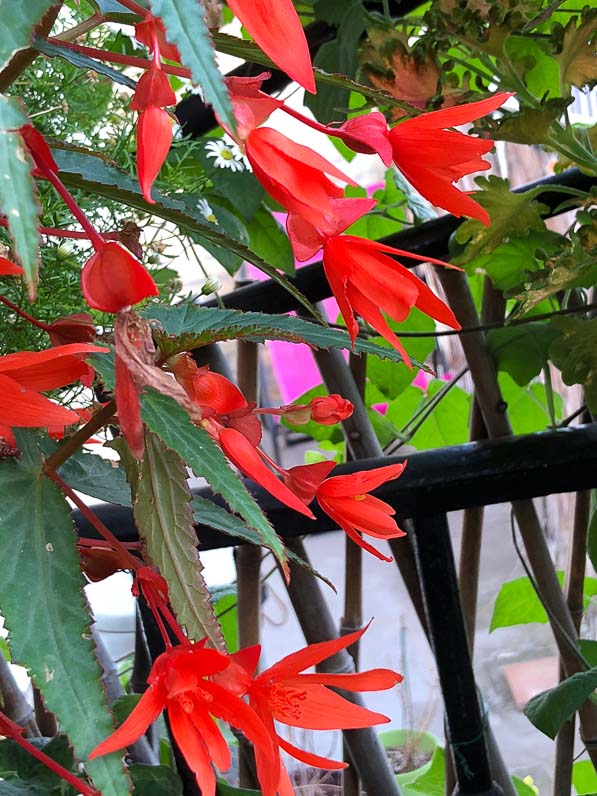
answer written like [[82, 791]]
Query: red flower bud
[[153, 91], [154, 136], [329, 410], [76, 328], [113, 279]]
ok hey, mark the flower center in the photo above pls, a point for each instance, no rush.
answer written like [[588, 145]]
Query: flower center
[[226, 154], [286, 701], [186, 703], [359, 497]]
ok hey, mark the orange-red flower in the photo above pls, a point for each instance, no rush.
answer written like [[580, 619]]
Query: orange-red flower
[[366, 281], [367, 133], [276, 28], [8, 268], [345, 499], [433, 158], [178, 683], [283, 693], [113, 279], [27, 373], [154, 137], [151, 32]]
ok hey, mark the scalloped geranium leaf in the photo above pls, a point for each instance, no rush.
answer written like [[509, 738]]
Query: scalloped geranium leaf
[[42, 601], [164, 517], [186, 326], [18, 196], [575, 354], [95, 174], [171, 423]]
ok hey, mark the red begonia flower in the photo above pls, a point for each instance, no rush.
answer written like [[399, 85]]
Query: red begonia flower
[[368, 134], [283, 693], [246, 457], [307, 238], [126, 396], [25, 374], [295, 176], [154, 137], [433, 158], [345, 499], [366, 281], [152, 31], [153, 91], [76, 328], [305, 479], [8, 268], [276, 28], [178, 683], [251, 106], [330, 409], [113, 279]]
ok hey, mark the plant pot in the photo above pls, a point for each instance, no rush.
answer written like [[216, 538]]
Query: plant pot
[[416, 746]]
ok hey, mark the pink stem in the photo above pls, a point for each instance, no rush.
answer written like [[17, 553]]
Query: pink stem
[[118, 58], [96, 240], [13, 731]]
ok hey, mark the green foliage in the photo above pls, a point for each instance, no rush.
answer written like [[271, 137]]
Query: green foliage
[[592, 530], [23, 770], [17, 24], [194, 445], [575, 354], [268, 241], [188, 30], [517, 604], [550, 709], [579, 50], [164, 518], [584, 778], [522, 351], [18, 201], [512, 215], [431, 782], [188, 326], [155, 780], [41, 599], [527, 406]]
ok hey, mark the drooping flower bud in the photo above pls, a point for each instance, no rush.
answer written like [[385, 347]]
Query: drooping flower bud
[[76, 328], [113, 279], [331, 409]]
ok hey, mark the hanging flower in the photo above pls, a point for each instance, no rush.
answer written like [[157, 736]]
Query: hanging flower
[[8, 268], [226, 155], [346, 499], [113, 279], [178, 684], [283, 693], [276, 28], [433, 158]]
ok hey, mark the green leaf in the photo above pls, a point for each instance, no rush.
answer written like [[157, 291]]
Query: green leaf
[[522, 789], [17, 23], [588, 648], [550, 709], [17, 761], [164, 518], [517, 604], [579, 50], [433, 781], [511, 214], [225, 608], [530, 125], [193, 444], [224, 789], [267, 239], [527, 406], [155, 780], [575, 354], [187, 29], [18, 196], [584, 777], [46, 616], [93, 174], [521, 351], [82, 61], [16, 787], [209, 513], [187, 326], [534, 60]]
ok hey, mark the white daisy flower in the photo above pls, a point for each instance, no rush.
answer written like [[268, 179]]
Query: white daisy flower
[[226, 153], [204, 208]]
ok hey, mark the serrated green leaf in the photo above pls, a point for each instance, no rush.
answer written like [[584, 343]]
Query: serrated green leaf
[[550, 709], [18, 196], [16, 25], [194, 445], [42, 601], [575, 354], [92, 173], [511, 214], [521, 351], [209, 513], [164, 518], [155, 780], [187, 29], [530, 125], [82, 61], [187, 326], [578, 56]]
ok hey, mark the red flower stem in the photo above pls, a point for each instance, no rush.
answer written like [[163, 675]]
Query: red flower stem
[[23, 314], [78, 784], [93, 519], [271, 462], [118, 58], [101, 543], [322, 128], [64, 233], [97, 241]]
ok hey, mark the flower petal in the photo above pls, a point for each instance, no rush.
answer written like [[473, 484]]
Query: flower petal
[[193, 749], [309, 758], [154, 137], [113, 279], [25, 408], [145, 712], [323, 709]]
